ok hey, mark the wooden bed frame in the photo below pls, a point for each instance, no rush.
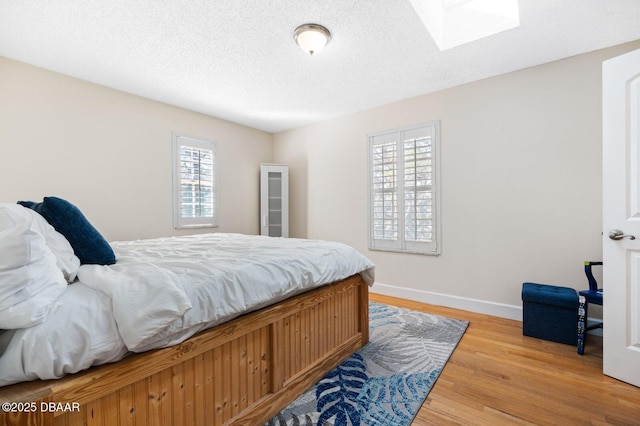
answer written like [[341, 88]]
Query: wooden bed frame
[[242, 372]]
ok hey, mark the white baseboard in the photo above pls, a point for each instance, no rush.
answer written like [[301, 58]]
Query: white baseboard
[[463, 303]]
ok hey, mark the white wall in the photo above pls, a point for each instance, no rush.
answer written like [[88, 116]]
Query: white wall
[[520, 177], [521, 172], [109, 153]]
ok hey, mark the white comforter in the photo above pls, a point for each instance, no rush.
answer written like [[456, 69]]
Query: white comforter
[[164, 290]]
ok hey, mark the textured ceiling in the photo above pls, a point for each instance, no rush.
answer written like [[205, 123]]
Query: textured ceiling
[[236, 59]]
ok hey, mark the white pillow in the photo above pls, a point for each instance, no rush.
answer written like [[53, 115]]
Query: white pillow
[[30, 279], [67, 261]]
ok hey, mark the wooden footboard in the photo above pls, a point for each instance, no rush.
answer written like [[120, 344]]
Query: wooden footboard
[[242, 372]]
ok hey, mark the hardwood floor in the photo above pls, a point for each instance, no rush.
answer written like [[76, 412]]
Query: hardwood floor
[[497, 376]]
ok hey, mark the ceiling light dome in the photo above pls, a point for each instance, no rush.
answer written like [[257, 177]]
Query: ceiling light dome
[[312, 38]]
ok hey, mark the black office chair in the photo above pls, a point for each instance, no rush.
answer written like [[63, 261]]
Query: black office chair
[[593, 295]]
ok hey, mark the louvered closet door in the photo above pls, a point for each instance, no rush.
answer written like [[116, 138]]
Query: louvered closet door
[[274, 200]]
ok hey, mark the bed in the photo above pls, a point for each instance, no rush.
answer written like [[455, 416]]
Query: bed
[[259, 321]]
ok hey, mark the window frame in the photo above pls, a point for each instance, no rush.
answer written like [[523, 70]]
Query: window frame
[[399, 244], [180, 222]]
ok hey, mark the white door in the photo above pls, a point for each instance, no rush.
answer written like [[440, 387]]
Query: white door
[[621, 212]]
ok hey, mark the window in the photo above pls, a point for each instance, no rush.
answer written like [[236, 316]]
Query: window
[[194, 182], [403, 185]]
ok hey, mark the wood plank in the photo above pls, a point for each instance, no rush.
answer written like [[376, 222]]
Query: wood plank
[[295, 344], [250, 370], [166, 397], [243, 373], [363, 303], [227, 379], [126, 406], [304, 337], [177, 393], [218, 391], [498, 376], [109, 415], [313, 342], [271, 375], [198, 390], [94, 414], [155, 400], [141, 403], [234, 383], [208, 394], [331, 323], [322, 335]]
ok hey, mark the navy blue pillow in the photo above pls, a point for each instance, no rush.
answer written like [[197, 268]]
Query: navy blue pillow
[[67, 219]]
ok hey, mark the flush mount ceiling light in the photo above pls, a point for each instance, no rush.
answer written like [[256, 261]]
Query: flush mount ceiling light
[[455, 22], [311, 38]]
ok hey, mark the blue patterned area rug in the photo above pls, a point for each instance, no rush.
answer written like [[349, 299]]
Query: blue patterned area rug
[[386, 381]]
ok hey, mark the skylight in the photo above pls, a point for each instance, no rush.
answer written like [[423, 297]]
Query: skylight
[[455, 22]]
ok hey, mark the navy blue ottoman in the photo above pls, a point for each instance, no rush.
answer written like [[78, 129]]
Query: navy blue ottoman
[[550, 313]]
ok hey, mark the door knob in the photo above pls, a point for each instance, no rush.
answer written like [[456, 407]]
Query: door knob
[[617, 234]]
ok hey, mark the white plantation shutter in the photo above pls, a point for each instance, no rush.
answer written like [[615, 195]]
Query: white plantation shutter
[[384, 192], [194, 176], [403, 190]]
